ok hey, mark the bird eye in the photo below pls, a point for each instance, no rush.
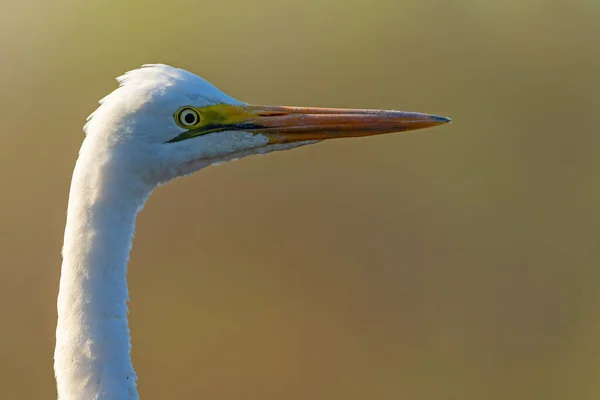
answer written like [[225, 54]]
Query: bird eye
[[188, 117]]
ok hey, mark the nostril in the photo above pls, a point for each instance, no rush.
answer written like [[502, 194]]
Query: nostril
[[272, 114]]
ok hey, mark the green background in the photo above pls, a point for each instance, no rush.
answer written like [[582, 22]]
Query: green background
[[459, 262]]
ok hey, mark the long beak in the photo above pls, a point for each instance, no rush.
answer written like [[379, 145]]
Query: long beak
[[292, 124]]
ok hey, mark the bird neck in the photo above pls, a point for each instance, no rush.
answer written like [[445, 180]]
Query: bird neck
[[92, 355]]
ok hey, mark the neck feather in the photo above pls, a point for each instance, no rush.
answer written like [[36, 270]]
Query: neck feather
[[92, 355]]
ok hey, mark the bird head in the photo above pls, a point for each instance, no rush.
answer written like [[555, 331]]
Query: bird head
[[163, 122]]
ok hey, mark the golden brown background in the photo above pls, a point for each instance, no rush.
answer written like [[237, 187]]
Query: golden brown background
[[454, 263]]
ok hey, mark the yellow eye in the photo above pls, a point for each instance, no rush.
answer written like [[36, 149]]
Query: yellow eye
[[188, 117]]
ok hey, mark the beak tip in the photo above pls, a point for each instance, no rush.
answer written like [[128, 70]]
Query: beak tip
[[443, 120]]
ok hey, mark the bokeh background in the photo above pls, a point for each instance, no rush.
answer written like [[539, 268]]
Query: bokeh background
[[459, 262]]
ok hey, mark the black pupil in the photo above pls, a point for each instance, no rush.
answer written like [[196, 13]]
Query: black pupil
[[189, 118]]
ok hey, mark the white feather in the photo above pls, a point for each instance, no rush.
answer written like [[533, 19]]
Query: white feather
[[122, 159]]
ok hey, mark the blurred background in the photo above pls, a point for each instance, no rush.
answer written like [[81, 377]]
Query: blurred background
[[459, 262]]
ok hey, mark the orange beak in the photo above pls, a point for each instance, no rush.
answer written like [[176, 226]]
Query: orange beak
[[293, 124]]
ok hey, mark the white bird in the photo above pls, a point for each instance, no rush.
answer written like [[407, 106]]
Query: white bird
[[159, 124]]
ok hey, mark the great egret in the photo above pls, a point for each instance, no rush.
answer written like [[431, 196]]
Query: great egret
[[160, 123]]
